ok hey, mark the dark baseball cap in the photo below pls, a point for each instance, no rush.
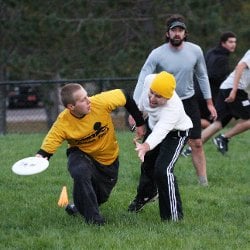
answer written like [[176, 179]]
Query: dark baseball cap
[[177, 24]]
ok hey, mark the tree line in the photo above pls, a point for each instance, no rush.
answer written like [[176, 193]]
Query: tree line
[[97, 38]]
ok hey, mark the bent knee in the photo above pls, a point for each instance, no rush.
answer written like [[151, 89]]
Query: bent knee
[[77, 172], [195, 144]]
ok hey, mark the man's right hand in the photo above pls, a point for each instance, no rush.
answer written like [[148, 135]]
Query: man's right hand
[[40, 156]]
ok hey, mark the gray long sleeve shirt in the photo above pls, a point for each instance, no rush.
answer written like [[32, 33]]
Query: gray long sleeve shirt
[[183, 63]]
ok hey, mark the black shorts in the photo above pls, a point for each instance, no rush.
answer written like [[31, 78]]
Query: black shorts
[[239, 109], [191, 107], [204, 112]]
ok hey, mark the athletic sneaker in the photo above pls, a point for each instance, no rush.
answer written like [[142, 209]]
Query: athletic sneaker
[[98, 221], [203, 181], [186, 152], [221, 143], [71, 209], [138, 203]]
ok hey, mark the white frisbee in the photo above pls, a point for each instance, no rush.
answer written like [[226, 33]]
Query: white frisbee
[[30, 166]]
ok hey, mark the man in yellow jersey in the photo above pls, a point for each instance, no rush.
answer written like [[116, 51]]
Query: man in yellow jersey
[[86, 124]]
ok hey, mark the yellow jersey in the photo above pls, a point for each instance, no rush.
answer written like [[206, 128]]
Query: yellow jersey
[[94, 133]]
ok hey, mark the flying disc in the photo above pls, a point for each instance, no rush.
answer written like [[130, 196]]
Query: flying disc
[[30, 166]]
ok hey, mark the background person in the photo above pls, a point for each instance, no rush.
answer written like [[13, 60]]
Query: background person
[[232, 102], [184, 60], [217, 62], [168, 127], [86, 124], [218, 68]]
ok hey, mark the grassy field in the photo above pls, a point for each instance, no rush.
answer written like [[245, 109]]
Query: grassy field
[[216, 217]]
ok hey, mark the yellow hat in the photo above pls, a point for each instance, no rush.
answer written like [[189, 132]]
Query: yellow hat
[[164, 84]]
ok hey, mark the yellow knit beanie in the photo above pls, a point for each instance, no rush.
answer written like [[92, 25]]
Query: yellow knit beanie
[[164, 84]]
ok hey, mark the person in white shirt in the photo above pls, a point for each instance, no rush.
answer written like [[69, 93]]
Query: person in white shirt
[[168, 129], [232, 102]]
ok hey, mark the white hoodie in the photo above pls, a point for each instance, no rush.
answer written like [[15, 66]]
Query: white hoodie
[[163, 119]]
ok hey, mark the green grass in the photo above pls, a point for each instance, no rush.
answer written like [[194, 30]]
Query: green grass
[[216, 217]]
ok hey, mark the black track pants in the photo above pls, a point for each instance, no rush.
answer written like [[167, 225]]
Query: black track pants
[[93, 182], [157, 172]]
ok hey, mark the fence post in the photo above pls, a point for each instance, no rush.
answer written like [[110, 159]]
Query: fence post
[[2, 109]]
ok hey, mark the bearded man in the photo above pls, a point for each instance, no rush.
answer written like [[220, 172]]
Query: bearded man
[[184, 60]]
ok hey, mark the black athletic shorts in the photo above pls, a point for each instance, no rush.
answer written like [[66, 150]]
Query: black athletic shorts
[[191, 107], [239, 109], [204, 111]]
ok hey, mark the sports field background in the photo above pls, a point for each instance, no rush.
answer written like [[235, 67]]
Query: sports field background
[[216, 217]]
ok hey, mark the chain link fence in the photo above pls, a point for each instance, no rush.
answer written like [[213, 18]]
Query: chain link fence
[[33, 106]]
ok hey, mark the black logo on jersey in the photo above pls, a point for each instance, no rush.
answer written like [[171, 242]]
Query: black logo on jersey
[[99, 131]]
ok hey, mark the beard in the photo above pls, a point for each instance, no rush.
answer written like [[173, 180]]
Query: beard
[[176, 42]]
